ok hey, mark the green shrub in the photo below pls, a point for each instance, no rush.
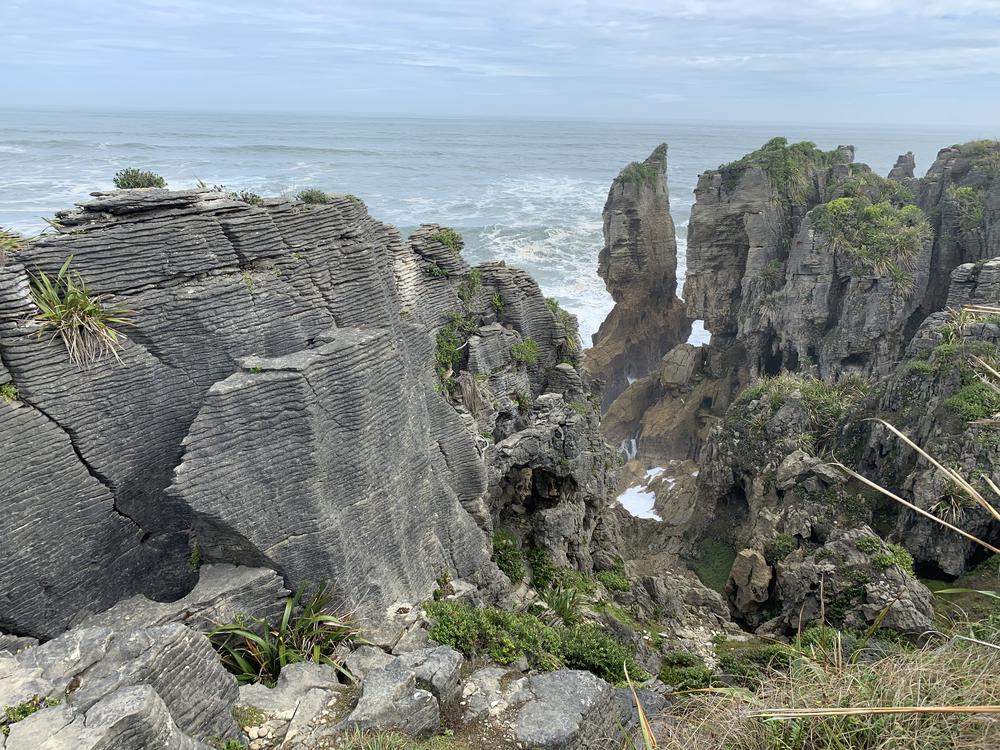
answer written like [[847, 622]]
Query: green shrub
[[471, 285], [67, 309], [508, 556], [21, 711], [773, 271], [749, 665], [685, 671], [569, 323], [497, 301], [230, 745], [8, 393], [194, 559], [589, 647], [880, 237], [643, 173], [450, 239], [256, 651], [615, 578], [791, 169], [920, 367], [523, 401], [974, 401], [447, 355], [543, 572], [971, 203], [437, 272], [525, 351], [780, 547], [866, 184], [898, 556], [562, 602], [313, 196], [131, 178], [247, 197], [868, 544]]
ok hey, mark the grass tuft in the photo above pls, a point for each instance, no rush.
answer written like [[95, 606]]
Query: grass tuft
[[450, 239], [525, 352], [313, 196], [257, 651], [86, 326]]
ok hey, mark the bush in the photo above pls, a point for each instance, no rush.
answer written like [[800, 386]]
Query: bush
[[791, 170], [898, 556], [86, 326], [508, 556], [525, 351], [615, 578], [751, 664], [247, 197], [569, 323], [974, 401], [313, 196], [308, 631], [505, 637], [880, 237], [780, 547], [497, 301], [8, 393], [131, 178], [562, 602], [450, 239], [685, 671]]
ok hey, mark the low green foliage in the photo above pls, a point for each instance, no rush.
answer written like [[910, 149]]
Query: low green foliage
[[470, 285], [508, 556], [791, 169], [131, 178], [974, 401], [257, 651], [685, 671], [714, 563], [780, 547], [505, 636], [66, 308], [248, 197], [497, 301], [248, 716], [827, 403], [312, 195], [868, 544], [642, 173], [866, 184], [879, 237], [450, 239], [10, 243], [773, 271], [563, 602], [898, 556], [8, 393], [437, 272], [370, 739], [569, 323], [194, 560], [21, 711], [750, 664], [615, 578], [920, 366], [525, 351], [523, 401], [971, 204], [230, 745]]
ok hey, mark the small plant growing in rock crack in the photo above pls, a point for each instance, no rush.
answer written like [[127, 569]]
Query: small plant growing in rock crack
[[450, 239], [8, 393], [313, 196], [563, 603], [87, 327], [21, 711], [132, 178], [10, 243], [230, 745], [194, 561], [256, 651], [497, 301], [525, 352], [615, 578], [437, 272], [523, 401], [470, 286], [569, 323]]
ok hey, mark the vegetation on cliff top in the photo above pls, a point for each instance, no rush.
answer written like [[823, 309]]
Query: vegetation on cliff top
[[450, 239], [646, 172], [131, 178], [791, 169], [10, 243], [313, 195], [880, 237]]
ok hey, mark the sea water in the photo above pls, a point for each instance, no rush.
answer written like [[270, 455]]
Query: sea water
[[526, 192]]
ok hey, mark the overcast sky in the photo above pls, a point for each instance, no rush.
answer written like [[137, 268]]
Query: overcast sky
[[896, 62]]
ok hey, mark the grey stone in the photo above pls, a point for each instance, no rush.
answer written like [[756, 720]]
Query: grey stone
[[436, 669], [568, 710], [390, 699]]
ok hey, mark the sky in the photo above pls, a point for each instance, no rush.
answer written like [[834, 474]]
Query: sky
[[893, 62]]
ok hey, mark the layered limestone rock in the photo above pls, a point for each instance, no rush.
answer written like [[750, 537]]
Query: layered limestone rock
[[297, 391], [639, 266]]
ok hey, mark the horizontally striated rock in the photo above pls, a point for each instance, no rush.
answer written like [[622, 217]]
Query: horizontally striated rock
[[283, 402], [87, 666], [904, 167], [639, 266]]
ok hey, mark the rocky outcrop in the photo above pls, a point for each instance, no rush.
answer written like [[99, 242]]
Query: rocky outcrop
[[300, 389], [639, 266]]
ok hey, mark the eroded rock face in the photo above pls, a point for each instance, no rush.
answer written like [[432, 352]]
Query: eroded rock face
[[639, 266], [296, 393]]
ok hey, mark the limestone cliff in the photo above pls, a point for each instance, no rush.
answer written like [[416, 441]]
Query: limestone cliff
[[639, 266], [301, 389]]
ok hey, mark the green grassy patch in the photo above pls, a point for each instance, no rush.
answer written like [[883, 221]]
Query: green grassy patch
[[791, 169], [132, 178], [714, 563], [508, 556], [525, 352], [450, 239]]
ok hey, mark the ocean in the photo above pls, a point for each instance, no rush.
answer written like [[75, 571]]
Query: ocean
[[526, 192]]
